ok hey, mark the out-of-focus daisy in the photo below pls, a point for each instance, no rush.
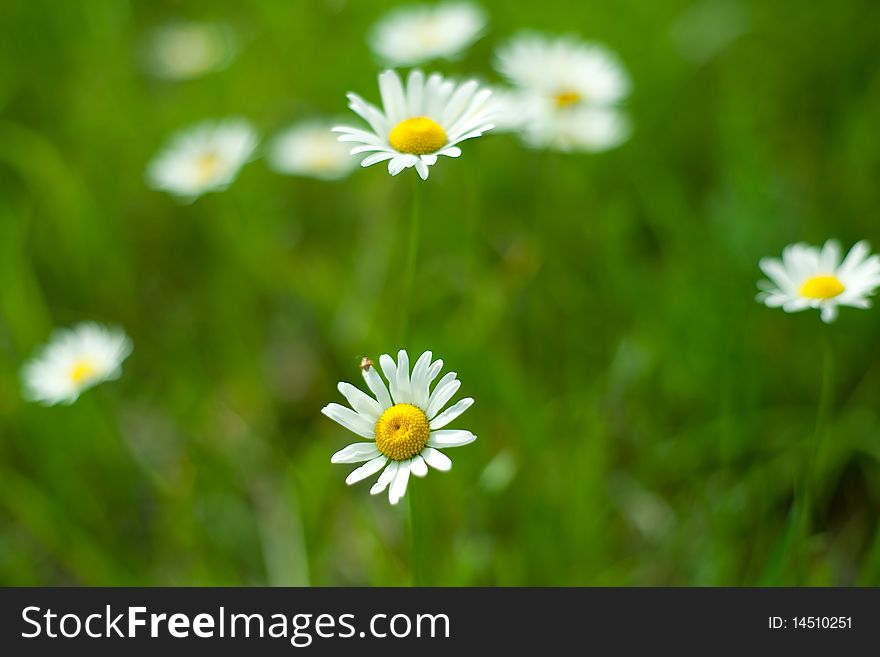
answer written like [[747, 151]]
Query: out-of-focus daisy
[[204, 158], [310, 149], [416, 34], [403, 427], [184, 50], [810, 277], [568, 90], [509, 109], [418, 123], [74, 360]]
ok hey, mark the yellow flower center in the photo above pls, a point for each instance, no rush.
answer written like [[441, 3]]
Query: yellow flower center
[[427, 34], [418, 136], [402, 432], [81, 371], [207, 165], [822, 286], [567, 98]]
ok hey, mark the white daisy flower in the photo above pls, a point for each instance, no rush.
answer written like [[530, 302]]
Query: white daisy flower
[[568, 90], [417, 124], [810, 277], [310, 149], [204, 158], [185, 50], [416, 34], [74, 360], [404, 428]]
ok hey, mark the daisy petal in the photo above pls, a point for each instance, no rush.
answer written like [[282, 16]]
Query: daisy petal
[[375, 158], [349, 419], [367, 469], [451, 413], [450, 438], [403, 394], [360, 401], [418, 466], [377, 387], [419, 383], [384, 479], [437, 460], [356, 453], [442, 394], [389, 369], [398, 486]]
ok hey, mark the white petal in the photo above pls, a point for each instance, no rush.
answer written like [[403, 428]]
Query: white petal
[[393, 99], [415, 86], [422, 170], [369, 148], [398, 486], [437, 460], [829, 257], [375, 158], [451, 413], [829, 312], [777, 274], [418, 466], [350, 420], [389, 369], [355, 453], [434, 370], [451, 151], [356, 134], [460, 99], [442, 394], [854, 258], [450, 438], [396, 165], [403, 394], [360, 401], [419, 382], [377, 387], [364, 471], [384, 479]]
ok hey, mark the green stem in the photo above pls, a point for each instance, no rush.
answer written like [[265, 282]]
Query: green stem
[[409, 275], [411, 259], [808, 481], [416, 515]]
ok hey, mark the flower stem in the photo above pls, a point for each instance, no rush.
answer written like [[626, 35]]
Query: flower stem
[[415, 535], [823, 415], [411, 259]]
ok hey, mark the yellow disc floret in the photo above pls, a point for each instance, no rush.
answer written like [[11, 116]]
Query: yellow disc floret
[[82, 371], [402, 432], [417, 136], [567, 98], [207, 166], [822, 286]]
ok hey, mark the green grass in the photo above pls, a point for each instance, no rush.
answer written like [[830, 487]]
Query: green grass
[[641, 419]]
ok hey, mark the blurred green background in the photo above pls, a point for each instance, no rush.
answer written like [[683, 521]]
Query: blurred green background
[[641, 419]]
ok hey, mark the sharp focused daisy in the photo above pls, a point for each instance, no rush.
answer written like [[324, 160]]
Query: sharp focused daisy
[[810, 277], [403, 426], [74, 360], [184, 50], [418, 123], [205, 158], [310, 149], [569, 91], [419, 33]]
